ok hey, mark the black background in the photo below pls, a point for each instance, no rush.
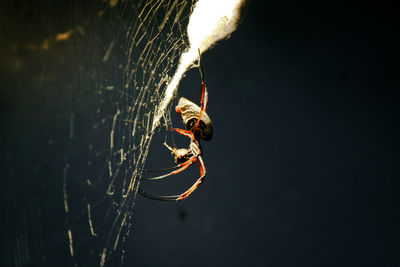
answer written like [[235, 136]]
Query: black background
[[303, 168]]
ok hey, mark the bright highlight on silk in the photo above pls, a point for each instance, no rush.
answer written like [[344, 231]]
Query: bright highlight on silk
[[211, 21]]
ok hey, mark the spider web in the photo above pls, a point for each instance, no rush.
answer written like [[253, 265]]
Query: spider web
[[118, 64], [138, 45]]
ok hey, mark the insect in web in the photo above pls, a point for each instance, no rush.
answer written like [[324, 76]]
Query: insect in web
[[198, 126]]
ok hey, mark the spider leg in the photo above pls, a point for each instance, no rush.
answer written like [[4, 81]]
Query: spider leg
[[183, 195], [157, 197], [165, 169], [204, 94], [162, 170], [169, 148], [187, 133], [182, 167], [203, 173]]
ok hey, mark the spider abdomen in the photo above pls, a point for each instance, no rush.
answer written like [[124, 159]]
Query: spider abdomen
[[190, 113]]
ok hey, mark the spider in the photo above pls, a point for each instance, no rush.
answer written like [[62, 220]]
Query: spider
[[198, 126]]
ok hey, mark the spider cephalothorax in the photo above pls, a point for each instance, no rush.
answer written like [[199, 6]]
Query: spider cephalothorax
[[199, 126]]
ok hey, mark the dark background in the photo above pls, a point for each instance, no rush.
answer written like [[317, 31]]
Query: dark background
[[302, 171]]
